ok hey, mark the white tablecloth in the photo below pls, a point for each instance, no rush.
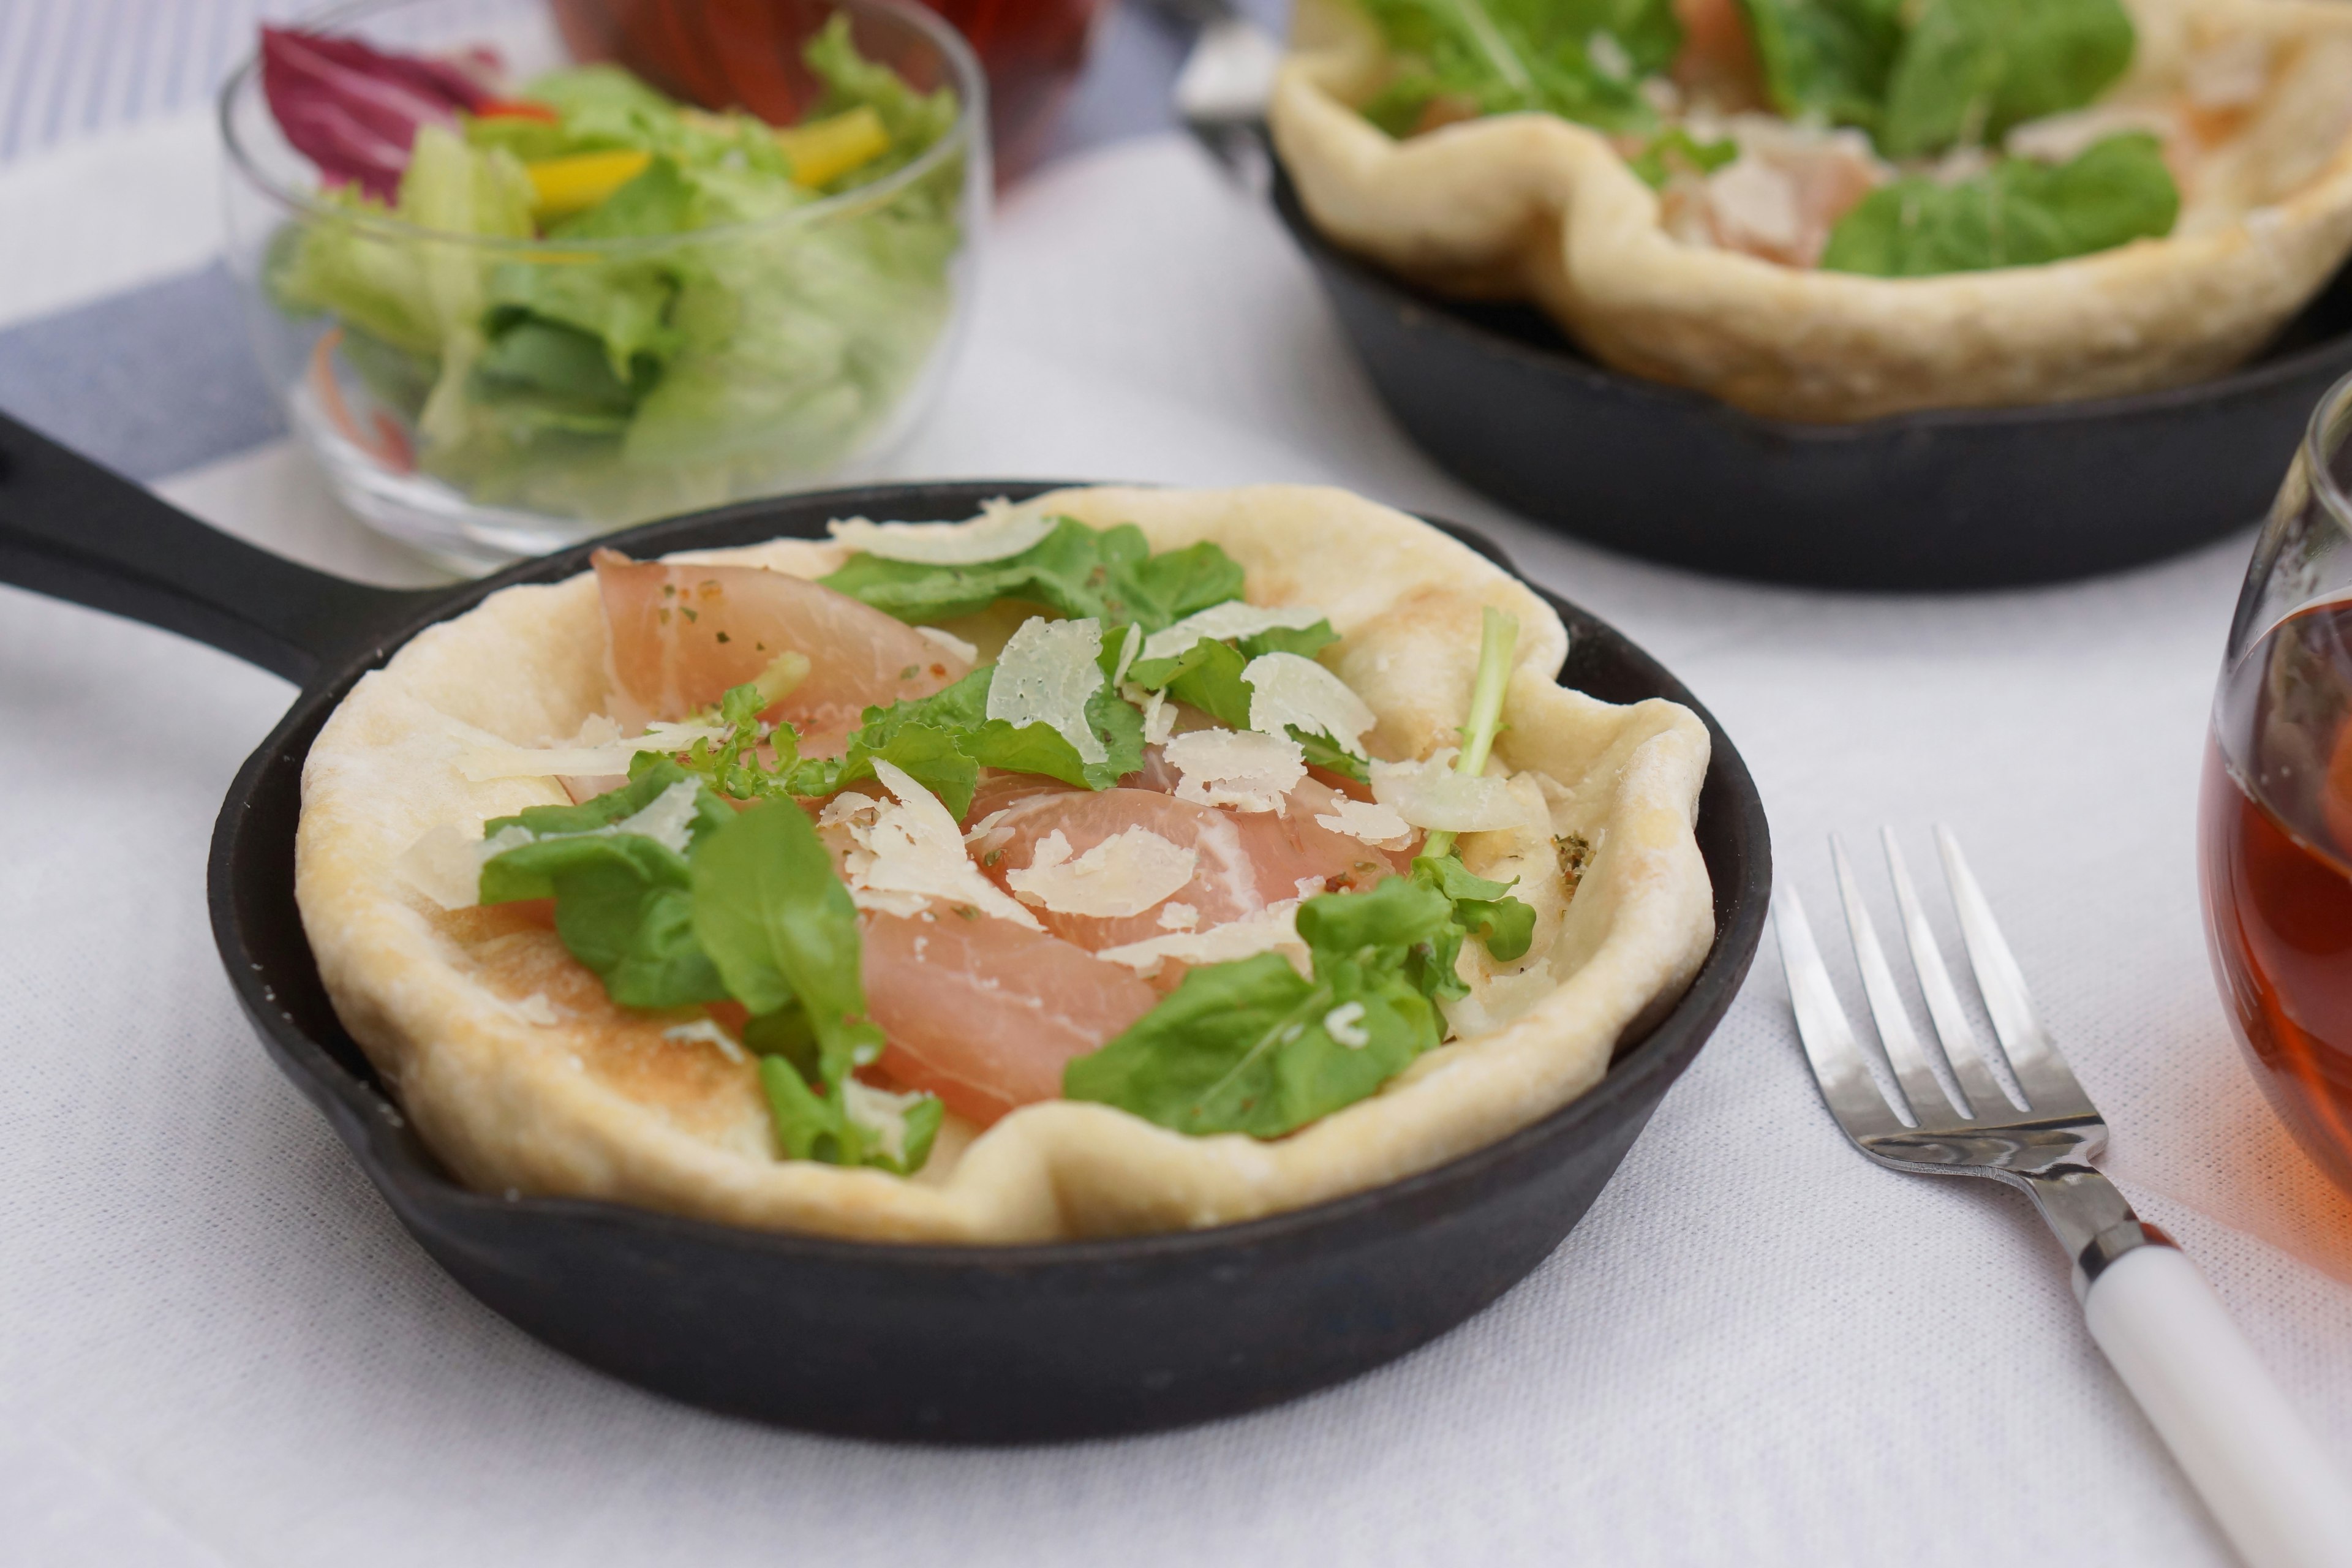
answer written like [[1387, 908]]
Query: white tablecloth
[[217, 1346]]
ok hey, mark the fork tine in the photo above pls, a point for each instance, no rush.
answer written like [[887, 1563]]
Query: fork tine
[[1837, 1060], [1930, 1101], [1962, 1048], [2050, 1085]]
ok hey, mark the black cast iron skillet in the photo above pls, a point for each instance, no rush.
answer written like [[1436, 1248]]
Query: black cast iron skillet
[[956, 1343], [1950, 499]]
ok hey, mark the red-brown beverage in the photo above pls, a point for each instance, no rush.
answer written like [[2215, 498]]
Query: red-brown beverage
[[2276, 865]]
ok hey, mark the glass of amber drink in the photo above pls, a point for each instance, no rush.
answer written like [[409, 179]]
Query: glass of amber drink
[[2275, 857]]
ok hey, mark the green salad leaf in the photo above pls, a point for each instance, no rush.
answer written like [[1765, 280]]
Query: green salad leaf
[[2015, 213], [1110, 575], [1582, 60], [619, 386]]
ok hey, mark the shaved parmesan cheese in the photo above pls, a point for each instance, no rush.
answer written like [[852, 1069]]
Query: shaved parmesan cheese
[[1272, 930], [1368, 822], [1158, 713], [599, 749], [1179, 917], [950, 642], [1431, 794], [1124, 875], [537, 1009], [1044, 676], [708, 1032], [664, 820], [446, 864], [1234, 619], [1130, 645], [1002, 529], [909, 851], [1239, 768], [1344, 1023], [1289, 688], [880, 1112]]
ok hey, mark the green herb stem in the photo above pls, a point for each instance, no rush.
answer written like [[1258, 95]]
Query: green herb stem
[[1498, 639]]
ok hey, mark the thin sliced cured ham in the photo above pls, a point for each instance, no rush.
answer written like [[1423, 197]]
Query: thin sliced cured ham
[[984, 1014], [1248, 861], [682, 635]]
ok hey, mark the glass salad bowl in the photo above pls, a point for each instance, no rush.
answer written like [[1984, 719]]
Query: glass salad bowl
[[514, 300]]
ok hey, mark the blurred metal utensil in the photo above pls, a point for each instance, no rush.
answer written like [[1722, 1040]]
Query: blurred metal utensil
[[1221, 93], [2160, 1324]]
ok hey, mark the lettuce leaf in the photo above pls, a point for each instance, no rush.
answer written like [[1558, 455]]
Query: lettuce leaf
[[618, 387], [1503, 56], [2016, 214]]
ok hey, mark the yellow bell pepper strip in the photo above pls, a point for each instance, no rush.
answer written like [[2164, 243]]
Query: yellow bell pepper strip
[[563, 186], [822, 150]]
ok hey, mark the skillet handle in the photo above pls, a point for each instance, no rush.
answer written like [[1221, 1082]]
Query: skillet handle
[[75, 531]]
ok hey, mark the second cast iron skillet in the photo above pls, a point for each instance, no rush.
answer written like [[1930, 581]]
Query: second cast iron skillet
[[951, 1343]]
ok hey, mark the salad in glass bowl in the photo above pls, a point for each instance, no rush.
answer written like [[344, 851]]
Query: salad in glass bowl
[[510, 311]]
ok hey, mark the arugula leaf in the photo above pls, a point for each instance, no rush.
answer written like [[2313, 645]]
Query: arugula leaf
[[783, 934], [1969, 69], [1252, 1047], [1503, 56], [623, 905], [781, 928], [2016, 214], [944, 740], [811, 1127], [1676, 148], [1110, 575], [1826, 60], [1474, 907], [1208, 675], [1323, 751]]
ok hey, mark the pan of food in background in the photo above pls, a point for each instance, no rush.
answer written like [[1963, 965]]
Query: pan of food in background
[[1793, 291], [514, 300]]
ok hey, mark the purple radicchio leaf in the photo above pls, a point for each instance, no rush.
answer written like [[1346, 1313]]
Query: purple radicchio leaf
[[354, 110]]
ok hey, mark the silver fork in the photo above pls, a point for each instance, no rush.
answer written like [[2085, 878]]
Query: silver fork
[[1221, 93], [2147, 1306]]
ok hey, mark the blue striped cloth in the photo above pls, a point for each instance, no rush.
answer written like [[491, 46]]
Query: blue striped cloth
[[70, 68]]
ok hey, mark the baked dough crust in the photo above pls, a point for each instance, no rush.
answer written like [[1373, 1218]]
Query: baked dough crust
[[523, 1077], [1531, 206]]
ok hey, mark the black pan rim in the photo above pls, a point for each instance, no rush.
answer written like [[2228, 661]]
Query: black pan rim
[[364, 1115], [1417, 306]]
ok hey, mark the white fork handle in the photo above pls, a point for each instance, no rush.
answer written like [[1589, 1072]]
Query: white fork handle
[[2245, 1449]]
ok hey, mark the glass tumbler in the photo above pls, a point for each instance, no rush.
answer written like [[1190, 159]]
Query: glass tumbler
[[2276, 833]]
